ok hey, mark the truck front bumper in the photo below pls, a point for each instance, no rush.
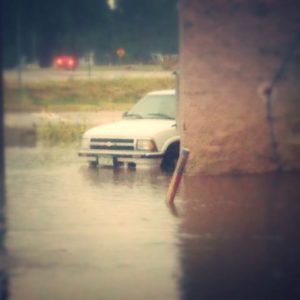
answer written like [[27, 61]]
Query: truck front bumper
[[126, 158]]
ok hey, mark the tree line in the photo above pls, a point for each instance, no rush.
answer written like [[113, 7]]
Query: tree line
[[38, 30]]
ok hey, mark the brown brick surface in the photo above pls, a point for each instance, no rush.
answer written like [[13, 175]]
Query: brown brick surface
[[230, 52]]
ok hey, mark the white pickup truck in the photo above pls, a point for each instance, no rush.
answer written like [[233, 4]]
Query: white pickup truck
[[146, 135]]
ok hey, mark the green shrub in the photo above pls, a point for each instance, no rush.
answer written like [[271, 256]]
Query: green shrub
[[51, 134]]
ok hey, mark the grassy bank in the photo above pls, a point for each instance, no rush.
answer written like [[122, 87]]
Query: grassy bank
[[80, 95], [60, 134]]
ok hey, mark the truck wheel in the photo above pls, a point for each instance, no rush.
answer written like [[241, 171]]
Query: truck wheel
[[170, 158], [93, 164]]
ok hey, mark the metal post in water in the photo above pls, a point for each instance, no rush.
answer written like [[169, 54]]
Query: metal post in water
[[177, 175]]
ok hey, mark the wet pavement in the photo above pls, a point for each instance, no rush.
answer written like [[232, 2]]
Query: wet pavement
[[79, 233]]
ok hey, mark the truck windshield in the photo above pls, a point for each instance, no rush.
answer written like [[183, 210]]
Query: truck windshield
[[154, 107]]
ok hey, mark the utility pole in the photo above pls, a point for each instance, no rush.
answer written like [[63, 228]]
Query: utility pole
[[2, 192], [2, 168], [19, 47]]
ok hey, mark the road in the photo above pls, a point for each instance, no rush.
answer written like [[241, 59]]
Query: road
[[41, 75]]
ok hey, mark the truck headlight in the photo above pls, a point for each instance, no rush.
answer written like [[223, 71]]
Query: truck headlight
[[85, 143], [146, 145]]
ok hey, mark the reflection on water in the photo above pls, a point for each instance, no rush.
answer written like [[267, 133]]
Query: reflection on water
[[4, 278], [79, 233], [240, 238]]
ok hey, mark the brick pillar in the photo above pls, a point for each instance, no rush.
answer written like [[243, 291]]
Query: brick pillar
[[230, 53]]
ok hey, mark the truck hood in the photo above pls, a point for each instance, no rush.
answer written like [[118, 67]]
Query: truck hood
[[131, 128]]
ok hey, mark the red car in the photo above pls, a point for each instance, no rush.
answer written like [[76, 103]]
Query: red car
[[66, 62]]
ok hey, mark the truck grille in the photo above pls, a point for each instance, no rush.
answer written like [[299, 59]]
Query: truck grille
[[112, 144]]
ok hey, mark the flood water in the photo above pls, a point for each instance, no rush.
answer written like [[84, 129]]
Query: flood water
[[78, 233]]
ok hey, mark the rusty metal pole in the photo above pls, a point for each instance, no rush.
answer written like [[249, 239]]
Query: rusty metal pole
[[177, 175]]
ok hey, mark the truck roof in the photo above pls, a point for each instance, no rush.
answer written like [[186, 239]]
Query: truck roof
[[162, 92]]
